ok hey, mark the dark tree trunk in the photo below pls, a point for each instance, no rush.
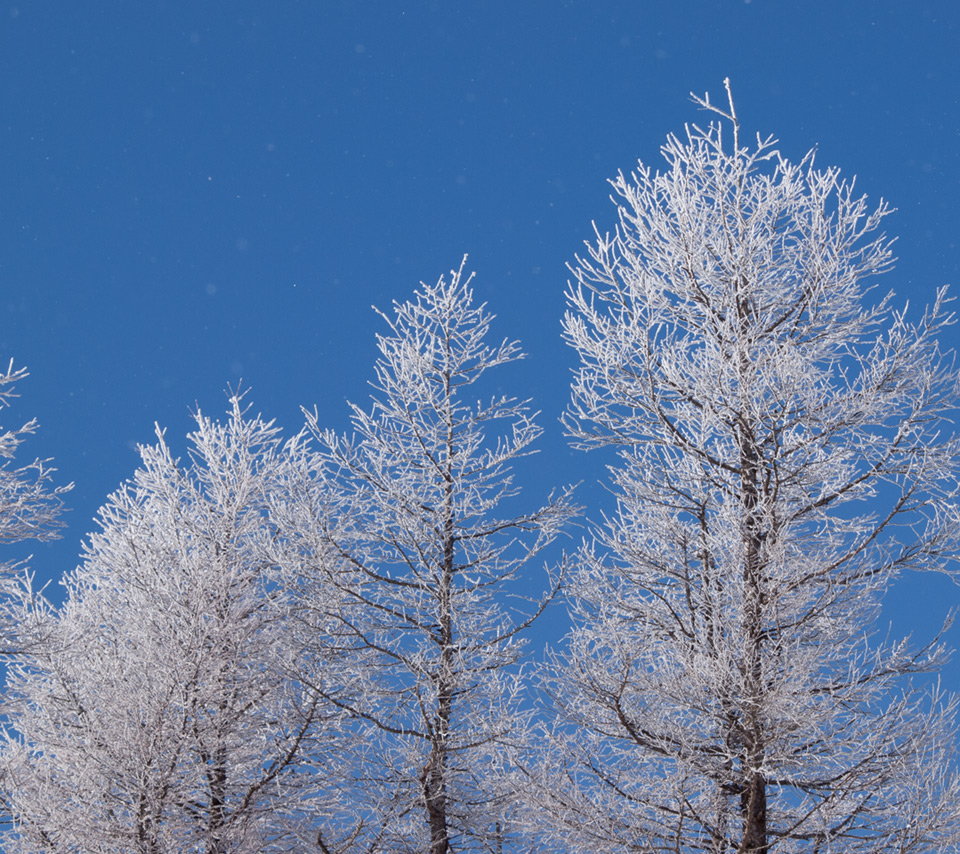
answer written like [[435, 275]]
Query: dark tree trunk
[[753, 787]]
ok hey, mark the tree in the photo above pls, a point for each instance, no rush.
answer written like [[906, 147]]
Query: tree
[[431, 562], [784, 456], [30, 506], [166, 714]]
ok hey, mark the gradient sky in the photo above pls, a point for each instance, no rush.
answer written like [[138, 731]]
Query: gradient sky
[[199, 193]]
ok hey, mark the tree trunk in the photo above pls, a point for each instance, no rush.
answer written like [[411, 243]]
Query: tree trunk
[[753, 787], [435, 772]]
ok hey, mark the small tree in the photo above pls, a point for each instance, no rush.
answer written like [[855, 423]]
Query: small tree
[[783, 458], [431, 564], [29, 506], [165, 714], [30, 509]]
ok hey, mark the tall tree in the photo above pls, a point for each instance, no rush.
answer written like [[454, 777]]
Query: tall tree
[[166, 714], [435, 582], [784, 457]]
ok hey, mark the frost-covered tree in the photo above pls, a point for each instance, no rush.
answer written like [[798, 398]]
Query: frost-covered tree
[[436, 557], [29, 505], [166, 713], [30, 508], [784, 455]]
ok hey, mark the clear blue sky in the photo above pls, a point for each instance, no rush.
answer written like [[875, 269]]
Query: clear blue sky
[[192, 194]]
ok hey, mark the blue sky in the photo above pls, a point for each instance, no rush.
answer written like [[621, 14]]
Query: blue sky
[[192, 194]]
